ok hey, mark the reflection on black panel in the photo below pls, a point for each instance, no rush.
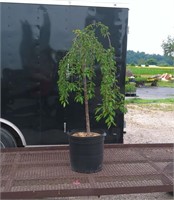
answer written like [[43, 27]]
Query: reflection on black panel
[[34, 39]]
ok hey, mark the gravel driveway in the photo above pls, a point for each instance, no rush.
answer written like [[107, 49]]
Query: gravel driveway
[[150, 123]]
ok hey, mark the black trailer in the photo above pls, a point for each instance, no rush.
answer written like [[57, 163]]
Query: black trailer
[[34, 37]]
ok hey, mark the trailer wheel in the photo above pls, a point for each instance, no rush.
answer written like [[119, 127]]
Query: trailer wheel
[[6, 139]]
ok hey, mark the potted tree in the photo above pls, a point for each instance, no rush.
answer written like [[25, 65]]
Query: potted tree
[[76, 74]]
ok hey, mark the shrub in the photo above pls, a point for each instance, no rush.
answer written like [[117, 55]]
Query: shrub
[[140, 80], [130, 88]]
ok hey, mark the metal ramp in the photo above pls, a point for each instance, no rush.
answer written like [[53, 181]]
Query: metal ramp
[[28, 173]]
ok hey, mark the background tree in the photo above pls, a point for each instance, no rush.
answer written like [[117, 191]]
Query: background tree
[[139, 58], [168, 47], [151, 61], [141, 61]]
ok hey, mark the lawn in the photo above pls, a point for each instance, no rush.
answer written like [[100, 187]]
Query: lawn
[[146, 72], [166, 84], [150, 71], [153, 104], [144, 101]]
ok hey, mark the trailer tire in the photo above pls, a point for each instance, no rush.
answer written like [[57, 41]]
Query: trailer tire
[[6, 139]]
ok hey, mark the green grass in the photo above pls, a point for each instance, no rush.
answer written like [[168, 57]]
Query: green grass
[[146, 101], [138, 71], [163, 105], [165, 84]]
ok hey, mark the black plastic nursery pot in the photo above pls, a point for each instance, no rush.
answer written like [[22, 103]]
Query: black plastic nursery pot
[[86, 153]]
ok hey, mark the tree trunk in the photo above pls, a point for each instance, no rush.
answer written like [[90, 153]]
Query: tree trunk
[[86, 105]]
